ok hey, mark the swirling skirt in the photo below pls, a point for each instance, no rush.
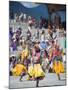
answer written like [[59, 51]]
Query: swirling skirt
[[18, 70], [58, 67], [36, 71]]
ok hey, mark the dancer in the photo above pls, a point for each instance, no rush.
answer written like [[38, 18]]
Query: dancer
[[58, 66], [56, 59], [37, 72], [24, 57], [18, 69]]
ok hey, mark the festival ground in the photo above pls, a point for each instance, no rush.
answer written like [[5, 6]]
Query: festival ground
[[50, 79]]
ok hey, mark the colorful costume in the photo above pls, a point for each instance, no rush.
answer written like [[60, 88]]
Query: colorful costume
[[24, 57], [58, 66], [36, 70], [18, 69], [24, 53]]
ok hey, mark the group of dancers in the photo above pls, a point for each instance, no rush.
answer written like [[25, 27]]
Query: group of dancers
[[34, 61], [37, 58]]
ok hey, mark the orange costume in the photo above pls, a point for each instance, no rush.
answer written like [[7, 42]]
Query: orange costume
[[18, 69]]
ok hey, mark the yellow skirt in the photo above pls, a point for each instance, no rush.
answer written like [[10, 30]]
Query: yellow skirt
[[36, 71], [58, 67], [18, 69], [31, 70]]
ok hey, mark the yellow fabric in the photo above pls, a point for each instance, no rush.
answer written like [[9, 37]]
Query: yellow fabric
[[28, 78], [31, 70], [18, 69], [24, 53], [36, 71], [58, 67]]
